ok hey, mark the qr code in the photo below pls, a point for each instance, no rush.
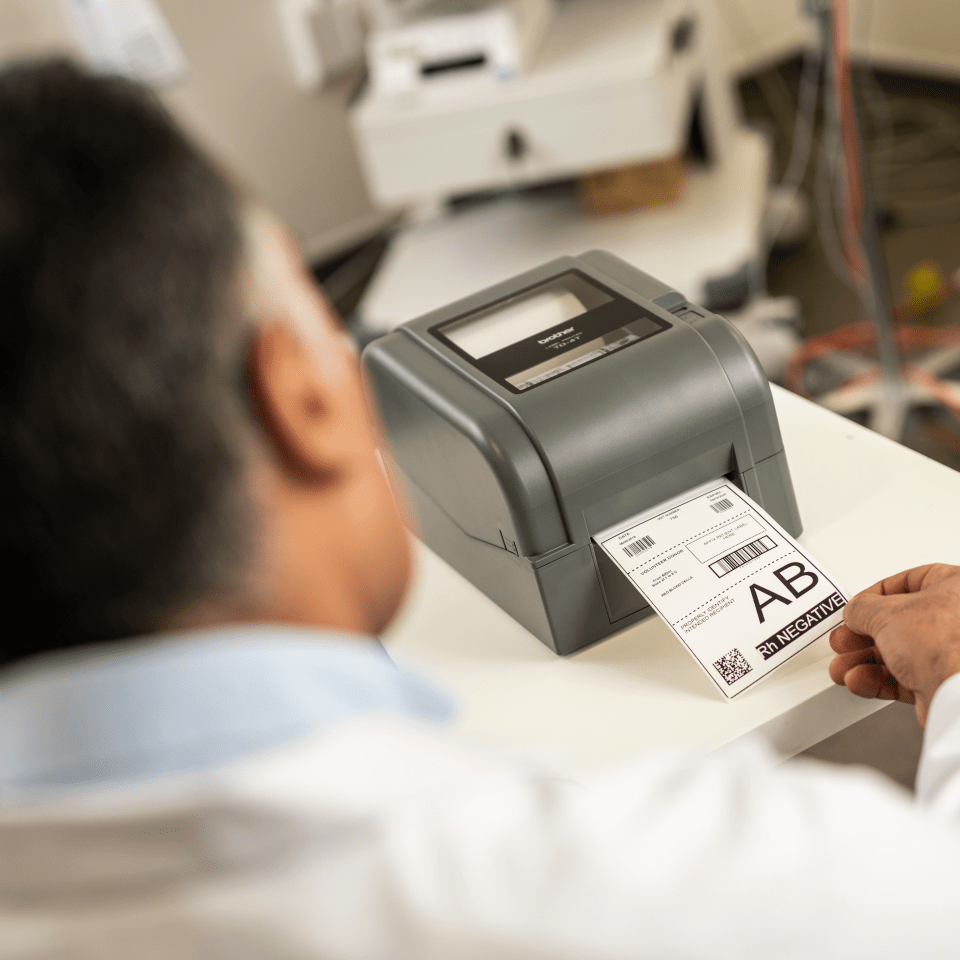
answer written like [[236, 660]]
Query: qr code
[[732, 666]]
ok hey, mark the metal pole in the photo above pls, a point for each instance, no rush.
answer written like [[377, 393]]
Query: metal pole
[[892, 406]]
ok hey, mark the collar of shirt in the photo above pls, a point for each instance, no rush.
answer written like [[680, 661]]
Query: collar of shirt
[[191, 701]]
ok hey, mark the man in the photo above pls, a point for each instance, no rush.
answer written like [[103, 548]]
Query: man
[[204, 753]]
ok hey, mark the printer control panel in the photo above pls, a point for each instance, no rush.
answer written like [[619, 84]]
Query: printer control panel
[[548, 330]]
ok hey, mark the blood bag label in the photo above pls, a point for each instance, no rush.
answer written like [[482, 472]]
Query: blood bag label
[[737, 590]]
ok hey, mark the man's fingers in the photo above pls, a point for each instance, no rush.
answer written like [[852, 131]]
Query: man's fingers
[[910, 617], [875, 682], [844, 640], [866, 612], [871, 682], [843, 663], [860, 613], [907, 696]]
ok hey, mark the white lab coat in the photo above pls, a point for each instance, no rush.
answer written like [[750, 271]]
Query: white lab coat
[[389, 840]]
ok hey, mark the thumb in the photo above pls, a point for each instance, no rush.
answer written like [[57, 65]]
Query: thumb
[[866, 613]]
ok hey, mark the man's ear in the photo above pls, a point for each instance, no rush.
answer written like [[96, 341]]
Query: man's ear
[[301, 414]]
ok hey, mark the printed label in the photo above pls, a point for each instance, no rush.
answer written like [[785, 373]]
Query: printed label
[[737, 590]]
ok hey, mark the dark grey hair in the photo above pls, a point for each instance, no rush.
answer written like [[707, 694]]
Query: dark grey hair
[[123, 496]]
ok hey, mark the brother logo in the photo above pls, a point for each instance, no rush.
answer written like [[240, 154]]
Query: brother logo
[[554, 336]]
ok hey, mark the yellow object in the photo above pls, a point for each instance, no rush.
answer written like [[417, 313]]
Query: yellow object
[[925, 287]]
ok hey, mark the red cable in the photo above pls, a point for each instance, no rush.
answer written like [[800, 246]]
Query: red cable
[[843, 92]]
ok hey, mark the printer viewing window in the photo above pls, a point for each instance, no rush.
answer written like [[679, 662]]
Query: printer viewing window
[[548, 330], [533, 311]]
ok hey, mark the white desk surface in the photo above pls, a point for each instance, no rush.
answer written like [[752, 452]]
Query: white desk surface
[[870, 508]]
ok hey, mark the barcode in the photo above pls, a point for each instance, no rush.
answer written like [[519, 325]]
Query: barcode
[[721, 505], [733, 666], [738, 558], [638, 546]]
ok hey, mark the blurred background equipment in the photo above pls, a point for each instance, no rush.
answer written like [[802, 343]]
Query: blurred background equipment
[[611, 85], [882, 372], [719, 230], [465, 39], [291, 144], [654, 184], [623, 134]]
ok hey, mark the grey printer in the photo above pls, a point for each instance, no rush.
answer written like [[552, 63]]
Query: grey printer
[[533, 415]]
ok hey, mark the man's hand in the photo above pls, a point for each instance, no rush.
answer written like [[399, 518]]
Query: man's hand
[[901, 638]]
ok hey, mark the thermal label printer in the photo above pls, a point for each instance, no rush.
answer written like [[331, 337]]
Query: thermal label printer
[[537, 413]]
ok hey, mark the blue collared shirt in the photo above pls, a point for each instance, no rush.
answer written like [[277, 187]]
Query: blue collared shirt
[[192, 701]]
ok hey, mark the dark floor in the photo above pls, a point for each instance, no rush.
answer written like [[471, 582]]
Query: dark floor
[[912, 135]]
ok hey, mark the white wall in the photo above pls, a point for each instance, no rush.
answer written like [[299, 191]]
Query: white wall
[[914, 35], [239, 99], [30, 26], [920, 36]]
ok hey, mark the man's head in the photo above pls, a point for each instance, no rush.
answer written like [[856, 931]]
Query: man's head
[[183, 436]]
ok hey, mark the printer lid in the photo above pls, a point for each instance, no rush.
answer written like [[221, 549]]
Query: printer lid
[[601, 378]]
